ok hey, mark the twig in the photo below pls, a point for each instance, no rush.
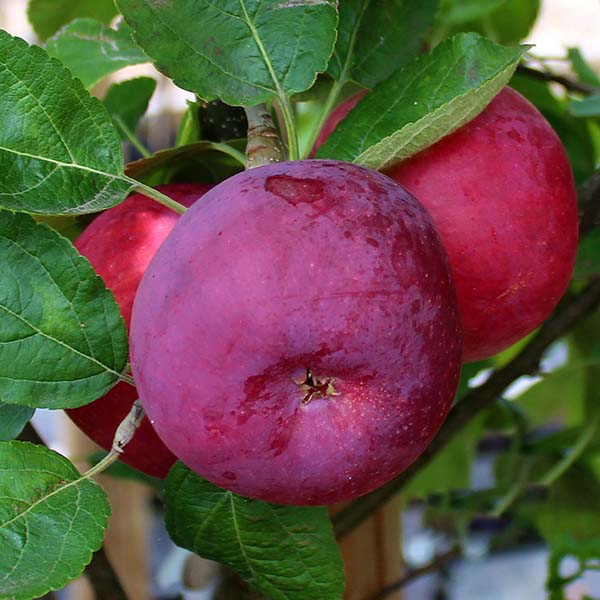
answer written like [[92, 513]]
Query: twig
[[569, 84], [571, 311], [435, 565]]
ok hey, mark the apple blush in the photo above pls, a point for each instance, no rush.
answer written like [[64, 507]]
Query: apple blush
[[119, 244], [296, 338], [501, 193]]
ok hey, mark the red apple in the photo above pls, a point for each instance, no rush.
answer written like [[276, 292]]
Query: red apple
[[501, 193], [296, 338], [120, 244]]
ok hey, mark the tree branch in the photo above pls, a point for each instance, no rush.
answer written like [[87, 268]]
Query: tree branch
[[569, 84], [571, 311], [264, 146], [435, 565]]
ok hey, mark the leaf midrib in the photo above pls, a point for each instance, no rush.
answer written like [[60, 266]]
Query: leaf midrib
[[257, 39], [61, 343]]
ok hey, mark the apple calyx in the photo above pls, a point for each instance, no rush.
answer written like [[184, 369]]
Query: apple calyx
[[312, 387]]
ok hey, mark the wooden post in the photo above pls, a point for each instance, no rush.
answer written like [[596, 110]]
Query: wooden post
[[372, 553]]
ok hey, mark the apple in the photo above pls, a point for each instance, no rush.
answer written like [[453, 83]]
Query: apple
[[501, 193], [119, 244], [296, 338]]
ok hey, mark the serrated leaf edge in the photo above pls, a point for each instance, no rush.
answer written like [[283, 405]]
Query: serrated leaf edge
[[414, 143], [62, 240], [41, 53], [89, 552]]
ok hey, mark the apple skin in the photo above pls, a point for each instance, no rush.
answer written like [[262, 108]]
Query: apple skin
[[502, 195], [119, 244], [306, 265]]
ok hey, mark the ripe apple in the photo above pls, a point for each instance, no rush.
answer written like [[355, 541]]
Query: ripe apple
[[120, 244], [502, 196], [296, 338]]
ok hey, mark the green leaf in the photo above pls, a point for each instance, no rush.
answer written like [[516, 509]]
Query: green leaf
[[422, 102], [588, 256], [559, 396], [588, 107], [285, 552], [201, 161], [585, 551], [48, 16], [584, 71], [51, 520], [62, 339], [503, 21], [127, 102], [12, 420], [188, 131], [59, 151], [450, 469], [91, 50], [375, 38], [512, 21], [572, 509], [242, 51], [468, 371], [457, 12]]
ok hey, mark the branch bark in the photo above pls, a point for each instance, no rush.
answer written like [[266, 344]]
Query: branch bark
[[571, 311], [435, 565], [569, 84], [264, 146]]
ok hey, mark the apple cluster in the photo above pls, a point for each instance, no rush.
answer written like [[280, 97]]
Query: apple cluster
[[297, 335]]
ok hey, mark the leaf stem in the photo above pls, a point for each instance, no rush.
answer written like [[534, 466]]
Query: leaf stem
[[146, 190], [290, 126], [229, 150], [576, 451], [514, 492], [135, 141], [127, 379], [330, 102]]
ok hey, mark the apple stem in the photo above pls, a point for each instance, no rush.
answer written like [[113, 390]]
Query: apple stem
[[124, 434], [264, 146]]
